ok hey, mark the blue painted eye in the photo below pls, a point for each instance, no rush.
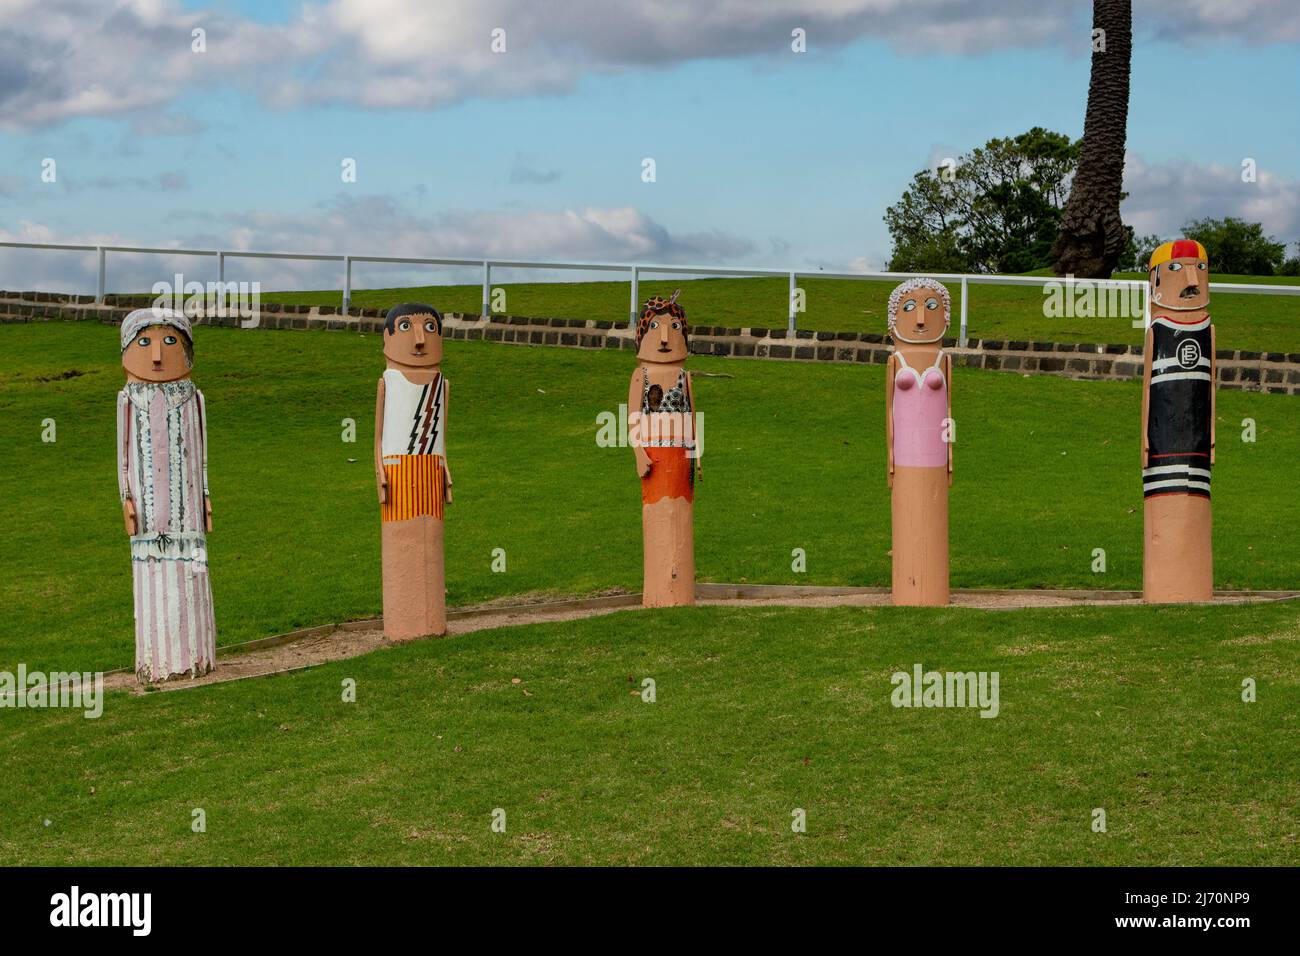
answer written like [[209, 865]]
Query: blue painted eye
[[1175, 266], [677, 325], [909, 305], [170, 339], [932, 304], [143, 341], [1201, 266], [654, 325], [430, 326]]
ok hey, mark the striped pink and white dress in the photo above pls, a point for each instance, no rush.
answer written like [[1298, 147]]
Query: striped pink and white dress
[[162, 464]]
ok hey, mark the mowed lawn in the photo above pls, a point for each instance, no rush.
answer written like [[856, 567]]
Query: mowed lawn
[[759, 713], [1258, 323], [1047, 473]]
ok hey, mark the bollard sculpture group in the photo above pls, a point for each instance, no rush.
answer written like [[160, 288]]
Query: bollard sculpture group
[[163, 481]]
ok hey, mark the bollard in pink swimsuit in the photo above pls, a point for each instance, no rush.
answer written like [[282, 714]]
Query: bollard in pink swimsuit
[[920, 409]]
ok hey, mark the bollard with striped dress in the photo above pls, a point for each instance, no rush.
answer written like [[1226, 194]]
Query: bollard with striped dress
[[162, 465]]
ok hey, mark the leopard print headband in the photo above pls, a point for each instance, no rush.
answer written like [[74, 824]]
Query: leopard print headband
[[656, 306]]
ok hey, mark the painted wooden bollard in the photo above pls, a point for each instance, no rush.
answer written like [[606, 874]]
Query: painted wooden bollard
[[664, 433], [162, 467], [411, 471], [919, 435], [1178, 379]]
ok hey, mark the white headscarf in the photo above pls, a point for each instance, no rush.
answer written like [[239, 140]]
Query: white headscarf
[[143, 318]]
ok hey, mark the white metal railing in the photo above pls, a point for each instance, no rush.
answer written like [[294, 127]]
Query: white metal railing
[[634, 270]]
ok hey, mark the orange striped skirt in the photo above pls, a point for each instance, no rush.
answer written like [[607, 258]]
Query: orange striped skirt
[[416, 486], [672, 475]]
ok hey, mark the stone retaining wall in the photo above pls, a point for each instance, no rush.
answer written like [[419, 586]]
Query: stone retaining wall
[[1274, 372]]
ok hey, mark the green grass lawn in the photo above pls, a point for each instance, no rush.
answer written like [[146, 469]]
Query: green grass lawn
[[1136, 711], [1260, 323], [759, 711], [1046, 472]]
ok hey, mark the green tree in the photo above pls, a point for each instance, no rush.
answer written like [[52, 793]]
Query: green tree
[[1292, 266], [1143, 247], [1237, 247], [995, 210]]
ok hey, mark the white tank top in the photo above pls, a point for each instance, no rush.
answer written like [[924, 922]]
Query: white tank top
[[413, 416]]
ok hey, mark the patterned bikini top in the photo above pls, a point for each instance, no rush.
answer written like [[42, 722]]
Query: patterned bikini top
[[655, 399]]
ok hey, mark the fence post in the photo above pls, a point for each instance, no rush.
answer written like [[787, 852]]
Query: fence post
[[965, 291], [487, 287], [99, 284], [221, 288], [791, 304], [635, 308], [1146, 307], [347, 284]]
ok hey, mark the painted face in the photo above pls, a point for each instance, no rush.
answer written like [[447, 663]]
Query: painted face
[[1181, 284], [157, 354], [664, 341], [920, 315], [415, 341]]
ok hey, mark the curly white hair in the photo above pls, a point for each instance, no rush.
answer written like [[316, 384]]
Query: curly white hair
[[922, 283]]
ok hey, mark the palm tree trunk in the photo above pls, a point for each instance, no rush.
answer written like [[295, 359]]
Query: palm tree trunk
[[1091, 237]]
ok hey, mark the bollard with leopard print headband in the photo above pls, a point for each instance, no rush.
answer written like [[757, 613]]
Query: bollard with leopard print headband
[[664, 432]]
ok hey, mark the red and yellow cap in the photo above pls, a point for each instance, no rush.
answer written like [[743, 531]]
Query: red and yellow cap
[[1178, 249]]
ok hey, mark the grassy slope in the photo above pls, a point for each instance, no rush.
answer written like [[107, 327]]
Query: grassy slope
[[1259, 323], [1046, 472], [1134, 710]]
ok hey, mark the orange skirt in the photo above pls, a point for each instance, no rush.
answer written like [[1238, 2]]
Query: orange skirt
[[416, 486], [672, 475]]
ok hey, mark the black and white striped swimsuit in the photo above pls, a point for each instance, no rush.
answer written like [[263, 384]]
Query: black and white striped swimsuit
[[1180, 402]]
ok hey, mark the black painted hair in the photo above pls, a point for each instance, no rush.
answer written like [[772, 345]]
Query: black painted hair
[[411, 308]]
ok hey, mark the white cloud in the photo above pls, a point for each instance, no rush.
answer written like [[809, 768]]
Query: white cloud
[[374, 225], [1163, 197], [378, 225], [1261, 21], [66, 58]]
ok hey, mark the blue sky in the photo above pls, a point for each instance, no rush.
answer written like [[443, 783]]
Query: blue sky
[[764, 157]]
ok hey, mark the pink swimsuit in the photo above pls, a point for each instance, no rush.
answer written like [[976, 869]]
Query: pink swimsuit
[[920, 408]]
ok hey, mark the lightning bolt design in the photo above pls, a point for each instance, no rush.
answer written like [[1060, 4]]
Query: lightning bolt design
[[416, 420], [433, 419]]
